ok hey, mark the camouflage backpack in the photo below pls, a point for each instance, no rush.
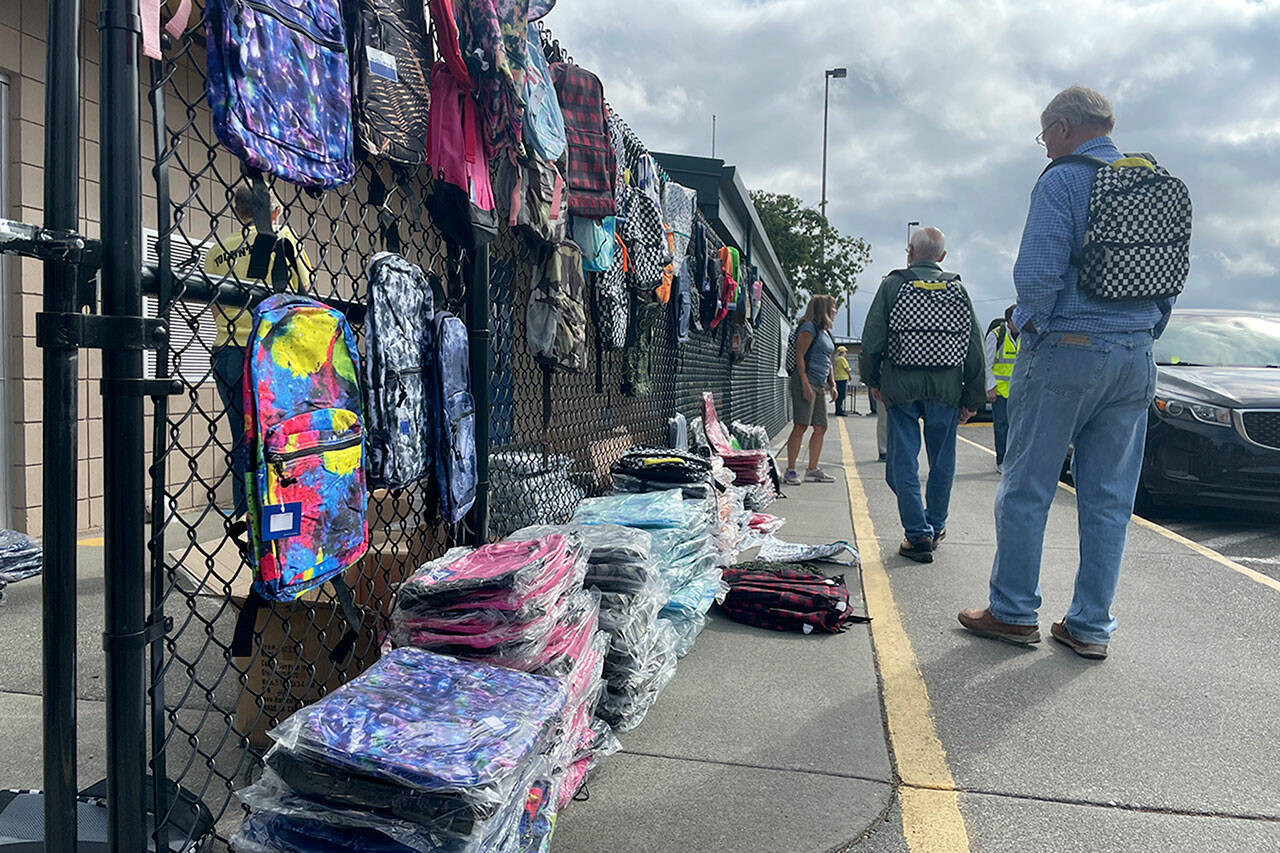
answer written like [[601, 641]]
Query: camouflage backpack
[[556, 322]]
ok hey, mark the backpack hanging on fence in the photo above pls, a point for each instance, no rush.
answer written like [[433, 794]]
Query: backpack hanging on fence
[[646, 241], [493, 38], [636, 358], [1138, 241], [611, 303], [279, 88], [788, 598], [930, 321], [391, 61], [682, 302], [677, 213], [305, 434], [544, 131], [592, 165], [556, 322], [461, 201], [396, 332], [452, 411], [531, 194], [595, 237]]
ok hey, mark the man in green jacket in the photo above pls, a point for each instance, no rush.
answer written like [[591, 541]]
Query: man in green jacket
[[922, 358]]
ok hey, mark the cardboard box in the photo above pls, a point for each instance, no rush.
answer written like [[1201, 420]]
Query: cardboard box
[[290, 664]]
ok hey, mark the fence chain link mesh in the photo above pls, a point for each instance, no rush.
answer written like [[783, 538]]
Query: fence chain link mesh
[[212, 709]]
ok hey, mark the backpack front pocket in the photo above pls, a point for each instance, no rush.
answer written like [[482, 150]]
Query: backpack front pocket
[[460, 449], [313, 519]]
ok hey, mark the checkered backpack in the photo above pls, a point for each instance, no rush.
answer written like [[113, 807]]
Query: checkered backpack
[[1137, 243], [930, 321]]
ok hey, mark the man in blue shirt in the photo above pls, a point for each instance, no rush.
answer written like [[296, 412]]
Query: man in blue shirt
[[1084, 376]]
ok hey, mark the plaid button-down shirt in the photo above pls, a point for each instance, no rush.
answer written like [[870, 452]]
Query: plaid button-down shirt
[[1049, 294]]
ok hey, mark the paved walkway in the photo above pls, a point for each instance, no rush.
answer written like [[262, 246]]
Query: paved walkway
[[937, 741]]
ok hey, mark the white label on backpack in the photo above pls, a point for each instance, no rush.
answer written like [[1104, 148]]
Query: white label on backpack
[[382, 64], [281, 521], [841, 606], [493, 724]]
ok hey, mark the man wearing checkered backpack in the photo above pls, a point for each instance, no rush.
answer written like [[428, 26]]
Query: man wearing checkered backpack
[[922, 358], [1104, 254]]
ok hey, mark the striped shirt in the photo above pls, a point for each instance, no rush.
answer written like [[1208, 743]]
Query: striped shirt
[[1048, 288]]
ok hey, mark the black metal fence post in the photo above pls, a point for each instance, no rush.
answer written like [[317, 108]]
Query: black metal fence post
[[478, 323], [60, 446], [123, 461]]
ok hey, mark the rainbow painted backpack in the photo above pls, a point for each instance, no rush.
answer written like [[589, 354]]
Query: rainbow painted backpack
[[305, 433]]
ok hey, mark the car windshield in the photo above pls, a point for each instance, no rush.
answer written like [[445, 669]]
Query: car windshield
[[1237, 340]]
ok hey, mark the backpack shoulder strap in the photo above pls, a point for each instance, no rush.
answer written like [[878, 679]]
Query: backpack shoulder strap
[[1082, 159]]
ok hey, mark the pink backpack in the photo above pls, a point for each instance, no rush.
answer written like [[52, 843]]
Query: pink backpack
[[462, 201]]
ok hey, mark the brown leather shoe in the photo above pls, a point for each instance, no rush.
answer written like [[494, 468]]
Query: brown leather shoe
[[1092, 651], [982, 623], [920, 550]]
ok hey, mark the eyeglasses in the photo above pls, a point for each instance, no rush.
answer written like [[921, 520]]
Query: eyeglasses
[[1040, 135]]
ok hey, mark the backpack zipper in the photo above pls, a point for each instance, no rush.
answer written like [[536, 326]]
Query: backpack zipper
[[280, 457], [264, 9]]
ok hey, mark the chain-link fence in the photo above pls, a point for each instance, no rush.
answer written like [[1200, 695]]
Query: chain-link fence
[[553, 437]]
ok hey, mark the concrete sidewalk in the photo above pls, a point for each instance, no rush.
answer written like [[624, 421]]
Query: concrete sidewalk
[[763, 742], [1171, 744]]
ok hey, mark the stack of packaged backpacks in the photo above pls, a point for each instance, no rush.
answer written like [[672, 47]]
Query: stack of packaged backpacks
[[517, 604], [753, 469], [421, 752], [642, 648], [683, 544], [528, 488]]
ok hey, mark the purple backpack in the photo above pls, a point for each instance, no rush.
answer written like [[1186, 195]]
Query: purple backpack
[[280, 87]]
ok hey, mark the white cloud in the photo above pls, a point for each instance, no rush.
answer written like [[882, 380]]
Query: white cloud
[[936, 120]]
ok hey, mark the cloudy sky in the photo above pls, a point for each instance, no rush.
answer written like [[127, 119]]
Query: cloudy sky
[[937, 119]]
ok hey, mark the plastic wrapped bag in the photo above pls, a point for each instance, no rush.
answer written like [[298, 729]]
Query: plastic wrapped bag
[[774, 550], [652, 509], [430, 722]]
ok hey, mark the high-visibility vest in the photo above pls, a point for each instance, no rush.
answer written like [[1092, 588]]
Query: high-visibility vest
[[1006, 353]]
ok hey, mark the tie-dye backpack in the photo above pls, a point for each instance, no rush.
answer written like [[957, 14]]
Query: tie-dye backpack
[[305, 434], [280, 87]]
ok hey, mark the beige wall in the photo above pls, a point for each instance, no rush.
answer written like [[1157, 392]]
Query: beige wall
[[22, 59]]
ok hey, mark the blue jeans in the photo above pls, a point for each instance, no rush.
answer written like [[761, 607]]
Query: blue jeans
[[1091, 391], [902, 467], [842, 386], [1000, 423], [228, 374]]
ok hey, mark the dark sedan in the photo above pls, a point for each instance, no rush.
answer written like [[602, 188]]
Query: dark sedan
[[1213, 433]]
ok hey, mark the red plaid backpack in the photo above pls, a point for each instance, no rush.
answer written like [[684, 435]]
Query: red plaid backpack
[[788, 598]]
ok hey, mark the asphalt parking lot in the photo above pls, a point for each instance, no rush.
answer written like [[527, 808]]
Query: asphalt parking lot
[[1250, 538]]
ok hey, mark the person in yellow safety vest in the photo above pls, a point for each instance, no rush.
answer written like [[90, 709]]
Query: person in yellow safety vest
[[277, 264], [1002, 350]]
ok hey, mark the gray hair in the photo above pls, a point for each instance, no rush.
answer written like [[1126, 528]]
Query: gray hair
[[1080, 107], [928, 244]]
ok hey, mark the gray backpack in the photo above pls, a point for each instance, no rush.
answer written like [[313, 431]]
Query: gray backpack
[[396, 331]]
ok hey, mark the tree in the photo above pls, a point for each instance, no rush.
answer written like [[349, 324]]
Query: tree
[[798, 234]]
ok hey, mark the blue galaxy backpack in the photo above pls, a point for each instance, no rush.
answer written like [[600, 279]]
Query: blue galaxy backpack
[[279, 87], [453, 413]]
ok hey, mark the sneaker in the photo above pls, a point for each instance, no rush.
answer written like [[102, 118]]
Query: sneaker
[[817, 475], [982, 623], [792, 478], [938, 537], [920, 550], [1093, 651]]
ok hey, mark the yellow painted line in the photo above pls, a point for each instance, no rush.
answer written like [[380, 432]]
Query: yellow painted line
[[931, 820], [1251, 574], [92, 542]]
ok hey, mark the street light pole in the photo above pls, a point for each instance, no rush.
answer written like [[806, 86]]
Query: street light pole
[[910, 225], [839, 74]]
